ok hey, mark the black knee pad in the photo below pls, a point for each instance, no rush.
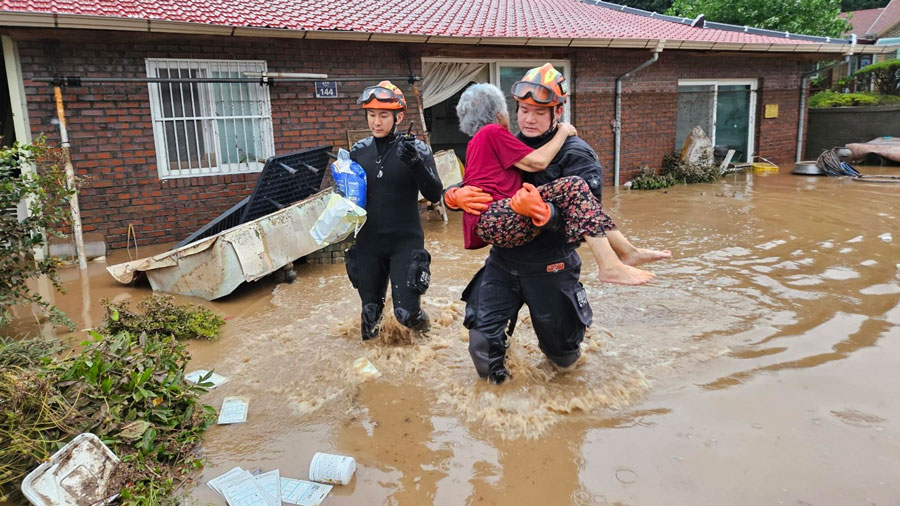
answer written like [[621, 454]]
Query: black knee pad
[[419, 276]]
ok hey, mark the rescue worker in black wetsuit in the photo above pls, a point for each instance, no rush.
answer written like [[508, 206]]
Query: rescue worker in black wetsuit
[[544, 273], [391, 244]]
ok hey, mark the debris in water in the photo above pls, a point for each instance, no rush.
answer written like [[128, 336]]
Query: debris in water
[[303, 493], [271, 483], [79, 473], [329, 468], [203, 376], [245, 490], [289, 490], [365, 368], [217, 482], [234, 410]]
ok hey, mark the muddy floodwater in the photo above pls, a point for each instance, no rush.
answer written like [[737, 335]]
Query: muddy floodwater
[[760, 367]]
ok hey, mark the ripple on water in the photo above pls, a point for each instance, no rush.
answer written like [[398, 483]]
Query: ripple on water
[[840, 273], [882, 289], [858, 418]]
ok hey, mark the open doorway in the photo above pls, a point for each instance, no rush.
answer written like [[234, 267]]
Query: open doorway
[[440, 118], [445, 80], [724, 109]]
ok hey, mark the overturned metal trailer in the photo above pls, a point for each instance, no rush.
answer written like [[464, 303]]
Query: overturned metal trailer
[[263, 233]]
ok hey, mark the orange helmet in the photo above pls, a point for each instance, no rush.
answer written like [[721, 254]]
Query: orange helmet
[[542, 86], [383, 96]]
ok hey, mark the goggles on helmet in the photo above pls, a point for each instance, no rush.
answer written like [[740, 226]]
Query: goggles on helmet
[[539, 93], [378, 93]]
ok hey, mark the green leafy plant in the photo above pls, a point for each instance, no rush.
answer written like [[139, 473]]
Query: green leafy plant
[[128, 390], [831, 98], [158, 314], [883, 76], [648, 179], [704, 171], [30, 173], [26, 352], [126, 385]]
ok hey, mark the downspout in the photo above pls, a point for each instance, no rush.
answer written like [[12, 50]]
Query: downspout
[[618, 122], [804, 81]]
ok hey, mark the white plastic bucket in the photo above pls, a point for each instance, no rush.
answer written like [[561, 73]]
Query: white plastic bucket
[[334, 469]]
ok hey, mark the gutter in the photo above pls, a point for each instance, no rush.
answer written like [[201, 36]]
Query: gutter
[[804, 81], [618, 122], [110, 23]]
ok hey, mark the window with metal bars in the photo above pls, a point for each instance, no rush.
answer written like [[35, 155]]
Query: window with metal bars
[[209, 129]]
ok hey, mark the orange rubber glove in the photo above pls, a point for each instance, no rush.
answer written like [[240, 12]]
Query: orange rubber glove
[[470, 199], [528, 202]]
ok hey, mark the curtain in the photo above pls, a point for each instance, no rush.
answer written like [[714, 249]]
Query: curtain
[[441, 80]]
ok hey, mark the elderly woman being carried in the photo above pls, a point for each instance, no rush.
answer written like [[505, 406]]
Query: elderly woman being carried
[[518, 212]]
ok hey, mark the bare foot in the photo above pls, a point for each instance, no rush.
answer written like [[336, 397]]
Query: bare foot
[[625, 275], [643, 255]]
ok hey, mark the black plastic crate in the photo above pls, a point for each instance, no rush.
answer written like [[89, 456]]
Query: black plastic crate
[[229, 219], [284, 180]]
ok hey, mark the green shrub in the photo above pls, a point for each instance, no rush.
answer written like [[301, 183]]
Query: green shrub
[[831, 98], [126, 385], [30, 172], [648, 179], [158, 314], [704, 171], [884, 76], [127, 389]]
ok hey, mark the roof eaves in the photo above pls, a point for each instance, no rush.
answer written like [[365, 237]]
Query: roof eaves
[[337, 35], [102, 23], [398, 37], [28, 19], [549, 41], [595, 43], [503, 41], [252, 31], [445, 39], [194, 28]]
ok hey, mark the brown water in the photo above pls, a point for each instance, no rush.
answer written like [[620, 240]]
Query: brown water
[[759, 368]]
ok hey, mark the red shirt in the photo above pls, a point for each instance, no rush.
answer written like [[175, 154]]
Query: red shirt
[[490, 165]]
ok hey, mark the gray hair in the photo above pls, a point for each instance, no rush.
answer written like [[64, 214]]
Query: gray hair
[[478, 106]]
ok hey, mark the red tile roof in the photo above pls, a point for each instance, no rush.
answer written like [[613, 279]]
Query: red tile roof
[[889, 18], [565, 19], [862, 20]]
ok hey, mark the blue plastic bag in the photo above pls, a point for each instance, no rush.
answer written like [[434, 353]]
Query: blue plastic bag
[[350, 178]]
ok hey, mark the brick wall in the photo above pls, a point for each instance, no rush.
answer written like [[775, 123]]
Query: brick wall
[[110, 127], [650, 102], [113, 145]]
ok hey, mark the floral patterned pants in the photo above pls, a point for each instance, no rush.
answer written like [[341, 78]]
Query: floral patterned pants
[[581, 212]]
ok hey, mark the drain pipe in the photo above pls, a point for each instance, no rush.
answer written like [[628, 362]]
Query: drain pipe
[[804, 81], [70, 180], [618, 122]]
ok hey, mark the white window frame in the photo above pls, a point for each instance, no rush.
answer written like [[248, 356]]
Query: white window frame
[[208, 119], [715, 83], [494, 65]]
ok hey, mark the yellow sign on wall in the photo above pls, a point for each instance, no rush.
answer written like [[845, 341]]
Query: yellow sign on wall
[[771, 111]]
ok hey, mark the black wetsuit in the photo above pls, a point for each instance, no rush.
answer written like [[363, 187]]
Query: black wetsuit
[[391, 244], [542, 274]]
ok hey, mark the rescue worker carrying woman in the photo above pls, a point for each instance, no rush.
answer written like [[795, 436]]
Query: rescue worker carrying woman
[[391, 245]]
